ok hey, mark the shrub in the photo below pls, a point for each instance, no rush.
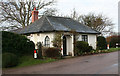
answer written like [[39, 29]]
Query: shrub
[[114, 40], [101, 43], [44, 51], [17, 44], [52, 52], [57, 40], [82, 47], [9, 60], [90, 48]]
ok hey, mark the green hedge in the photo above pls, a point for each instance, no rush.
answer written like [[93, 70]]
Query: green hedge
[[52, 52], [82, 47], [101, 43], [17, 44], [9, 60]]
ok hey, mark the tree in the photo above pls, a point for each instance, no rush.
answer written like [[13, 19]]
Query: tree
[[74, 15], [112, 40], [18, 14], [57, 41], [101, 43], [50, 12], [98, 22]]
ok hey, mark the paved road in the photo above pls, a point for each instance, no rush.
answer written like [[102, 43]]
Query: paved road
[[93, 64]]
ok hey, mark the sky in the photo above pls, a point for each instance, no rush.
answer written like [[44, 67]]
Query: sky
[[108, 8]]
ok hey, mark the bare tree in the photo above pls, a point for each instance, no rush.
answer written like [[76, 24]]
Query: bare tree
[[98, 22], [50, 12], [18, 14]]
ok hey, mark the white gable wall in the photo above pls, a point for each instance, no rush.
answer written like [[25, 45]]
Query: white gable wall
[[40, 37], [92, 39]]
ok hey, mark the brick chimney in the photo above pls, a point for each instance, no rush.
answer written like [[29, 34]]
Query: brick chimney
[[34, 15]]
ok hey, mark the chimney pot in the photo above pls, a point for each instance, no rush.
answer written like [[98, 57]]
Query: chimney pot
[[34, 15]]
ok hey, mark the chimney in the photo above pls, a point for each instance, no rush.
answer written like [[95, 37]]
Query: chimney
[[34, 15]]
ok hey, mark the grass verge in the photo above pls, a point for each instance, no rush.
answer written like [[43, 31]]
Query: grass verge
[[29, 60], [113, 49]]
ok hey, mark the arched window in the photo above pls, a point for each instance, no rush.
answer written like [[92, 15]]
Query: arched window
[[47, 41]]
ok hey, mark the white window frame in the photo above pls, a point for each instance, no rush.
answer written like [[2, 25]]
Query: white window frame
[[47, 41]]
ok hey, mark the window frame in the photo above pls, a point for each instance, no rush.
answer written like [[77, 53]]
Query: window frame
[[47, 41], [85, 38]]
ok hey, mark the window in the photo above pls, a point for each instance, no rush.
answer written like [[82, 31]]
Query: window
[[47, 41], [85, 38]]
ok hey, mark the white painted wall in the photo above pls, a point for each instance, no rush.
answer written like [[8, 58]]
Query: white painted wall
[[40, 37], [92, 41], [69, 45]]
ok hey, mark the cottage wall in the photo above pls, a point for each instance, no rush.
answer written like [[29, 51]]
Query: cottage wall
[[92, 39], [40, 37]]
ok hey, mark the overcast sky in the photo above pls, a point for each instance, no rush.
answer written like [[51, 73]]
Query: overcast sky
[[108, 8]]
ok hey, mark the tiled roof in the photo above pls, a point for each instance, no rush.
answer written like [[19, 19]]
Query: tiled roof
[[53, 23]]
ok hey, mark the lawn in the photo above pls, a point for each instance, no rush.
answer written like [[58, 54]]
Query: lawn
[[113, 49], [29, 60], [110, 50]]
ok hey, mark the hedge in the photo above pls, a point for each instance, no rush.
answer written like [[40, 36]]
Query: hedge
[[16, 44], [9, 60], [101, 43], [52, 52], [82, 47]]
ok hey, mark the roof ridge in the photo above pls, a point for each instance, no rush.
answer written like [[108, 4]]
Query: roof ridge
[[49, 22], [60, 17]]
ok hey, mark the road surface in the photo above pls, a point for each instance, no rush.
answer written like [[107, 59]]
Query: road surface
[[93, 64]]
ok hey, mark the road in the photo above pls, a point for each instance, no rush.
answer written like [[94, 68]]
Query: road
[[93, 64]]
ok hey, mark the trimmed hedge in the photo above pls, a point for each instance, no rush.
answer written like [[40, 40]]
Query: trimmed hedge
[[17, 44], [82, 47], [101, 43], [52, 52], [9, 60]]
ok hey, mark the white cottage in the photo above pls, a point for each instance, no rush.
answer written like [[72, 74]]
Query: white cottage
[[44, 29]]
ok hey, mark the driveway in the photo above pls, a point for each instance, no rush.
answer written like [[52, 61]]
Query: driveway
[[94, 64]]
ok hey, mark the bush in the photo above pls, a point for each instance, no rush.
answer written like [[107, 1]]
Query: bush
[[44, 51], [17, 44], [52, 52], [101, 43], [82, 47], [90, 48], [9, 60], [114, 40]]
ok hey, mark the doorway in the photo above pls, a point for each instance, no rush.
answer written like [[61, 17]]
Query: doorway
[[64, 46]]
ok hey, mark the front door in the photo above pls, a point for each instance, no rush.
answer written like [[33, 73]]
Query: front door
[[64, 46]]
